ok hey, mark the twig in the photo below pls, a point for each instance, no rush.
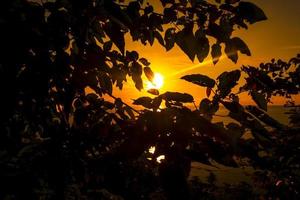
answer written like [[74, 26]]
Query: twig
[[195, 105], [115, 98]]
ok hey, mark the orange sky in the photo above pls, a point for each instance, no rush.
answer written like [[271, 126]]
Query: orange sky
[[278, 37]]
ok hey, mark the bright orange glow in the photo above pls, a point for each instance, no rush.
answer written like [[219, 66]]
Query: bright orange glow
[[263, 39], [157, 82]]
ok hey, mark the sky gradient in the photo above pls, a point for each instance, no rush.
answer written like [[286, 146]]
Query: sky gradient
[[277, 37]]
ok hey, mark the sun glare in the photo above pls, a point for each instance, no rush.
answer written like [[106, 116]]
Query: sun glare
[[157, 82]]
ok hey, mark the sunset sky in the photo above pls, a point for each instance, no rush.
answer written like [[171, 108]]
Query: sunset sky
[[278, 37]]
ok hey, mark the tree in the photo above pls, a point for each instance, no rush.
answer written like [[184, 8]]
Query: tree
[[59, 142]]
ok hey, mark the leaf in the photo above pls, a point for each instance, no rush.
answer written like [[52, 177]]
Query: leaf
[[160, 39], [169, 38], [195, 2], [232, 1], [165, 2], [186, 41], [250, 12], [107, 46], [231, 51], [176, 96], [115, 11], [260, 100], [132, 55], [156, 102], [216, 52], [133, 9], [153, 91], [92, 98], [144, 61], [170, 15], [233, 107], [227, 80], [150, 37], [138, 83], [105, 82], [156, 21], [208, 107], [264, 117], [208, 91], [143, 101], [233, 46], [115, 33], [202, 45], [137, 71], [149, 73], [200, 79], [218, 32], [149, 9], [118, 74], [129, 111], [241, 46], [108, 105]]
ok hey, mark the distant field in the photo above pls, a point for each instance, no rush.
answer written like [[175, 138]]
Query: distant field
[[277, 112], [228, 174]]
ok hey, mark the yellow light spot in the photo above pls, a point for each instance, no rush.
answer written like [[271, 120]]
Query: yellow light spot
[[157, 82], [160, 158], [152, 149]]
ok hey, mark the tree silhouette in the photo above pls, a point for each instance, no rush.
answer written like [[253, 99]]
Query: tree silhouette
[[57, 142]]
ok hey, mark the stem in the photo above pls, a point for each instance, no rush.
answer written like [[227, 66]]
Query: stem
[[115, 98], [176, 26], [195, 105]]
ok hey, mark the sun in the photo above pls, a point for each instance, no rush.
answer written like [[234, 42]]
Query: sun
[[157, 82]]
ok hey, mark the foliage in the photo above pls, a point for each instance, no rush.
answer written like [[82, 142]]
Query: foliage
[[57, 142]]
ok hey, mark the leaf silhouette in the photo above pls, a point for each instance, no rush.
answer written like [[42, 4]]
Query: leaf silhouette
[[218, 32], [143, 101], [259, 99], [201, 46], [186, 41], [208, 107], [208, 91], [137, 71], [153, 91], [105, 82], [200, 79], [241, 46], [160, 39], [149, 73], [231, 51], [170, 38], [144, 61], [250, 12], [156, 102], [176, 96], [107, 46], [227, 80], [115, 33], [216, 52]]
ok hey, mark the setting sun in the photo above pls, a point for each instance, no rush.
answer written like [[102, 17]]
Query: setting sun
[[157, 82]]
